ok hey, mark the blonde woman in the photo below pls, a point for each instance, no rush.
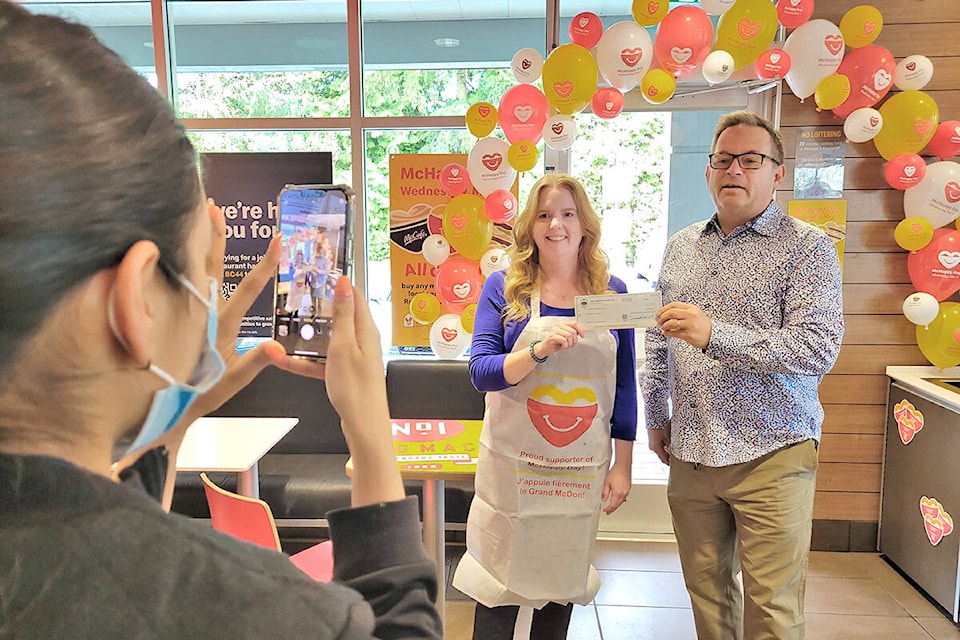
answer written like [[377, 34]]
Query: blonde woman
[[556, 395]]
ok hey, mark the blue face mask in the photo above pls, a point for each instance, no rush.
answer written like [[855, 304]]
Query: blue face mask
[[170, 403]]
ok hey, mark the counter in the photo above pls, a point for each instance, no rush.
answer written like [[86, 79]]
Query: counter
[[921, 481]]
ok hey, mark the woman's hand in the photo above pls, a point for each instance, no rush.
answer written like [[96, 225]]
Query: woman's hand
[[563, 335], [619, 478]]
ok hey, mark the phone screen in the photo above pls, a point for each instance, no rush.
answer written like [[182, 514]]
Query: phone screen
[[316, 224]]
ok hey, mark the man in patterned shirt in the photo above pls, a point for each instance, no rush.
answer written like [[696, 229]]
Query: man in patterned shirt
[[753, 319]]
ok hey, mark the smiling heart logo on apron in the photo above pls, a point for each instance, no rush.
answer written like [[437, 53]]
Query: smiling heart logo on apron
[[562, 417]]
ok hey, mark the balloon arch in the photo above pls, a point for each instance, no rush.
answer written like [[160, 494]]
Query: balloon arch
[[836, 64]]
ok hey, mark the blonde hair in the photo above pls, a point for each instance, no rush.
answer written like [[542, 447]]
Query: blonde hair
[[523, 275]]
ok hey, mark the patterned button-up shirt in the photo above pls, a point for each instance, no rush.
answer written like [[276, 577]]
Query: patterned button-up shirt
[[772, 290]]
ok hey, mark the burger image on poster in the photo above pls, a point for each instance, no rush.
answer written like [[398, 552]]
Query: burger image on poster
[[448, 338], [495, 259], [408, 229]]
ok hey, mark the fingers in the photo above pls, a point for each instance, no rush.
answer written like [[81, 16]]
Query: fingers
[[231, 315], [241, 370], [344, 316], [218, 243], [278, 357]]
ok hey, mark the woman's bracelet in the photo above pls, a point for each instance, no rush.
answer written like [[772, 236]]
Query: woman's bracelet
[[533, 354]]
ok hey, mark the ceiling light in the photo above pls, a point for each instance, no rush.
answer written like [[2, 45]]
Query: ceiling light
[[446, 42]]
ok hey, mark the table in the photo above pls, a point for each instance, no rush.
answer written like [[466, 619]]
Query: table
[[433, 451], [232, 444]]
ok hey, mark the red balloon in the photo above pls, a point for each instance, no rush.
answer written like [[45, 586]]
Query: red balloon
[[905, 170], [946, 141], [607, 102], [585, 29], [684, 38], [500, 206], [522, 113], [935, 269], [772, 63], [458, 283], [453, 179], [793, 13], [870, 70]]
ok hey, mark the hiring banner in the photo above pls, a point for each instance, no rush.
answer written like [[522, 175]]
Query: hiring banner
[[246, 186]]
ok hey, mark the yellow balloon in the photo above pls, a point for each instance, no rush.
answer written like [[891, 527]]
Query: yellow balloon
[[860, 26], [569, 78], [939, 341], [746, 29], [658, 86], [913, 233], [523, 155], [468, 316], [910, 119], [481, 119], [425, 308], [466, 226], [649, 12], [832, 91]]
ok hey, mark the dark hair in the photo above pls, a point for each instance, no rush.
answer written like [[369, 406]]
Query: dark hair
[[92, 160], [750, 120]]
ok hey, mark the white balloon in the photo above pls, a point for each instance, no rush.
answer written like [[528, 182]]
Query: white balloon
[[717, 66], [716, 7], [937, 196], [921, 308], [862, 124], [816, 50], [448, 338], [559, 132], [495, 259], [435, 249], [526, 65], [624, 54], [488, 167], [913, 72]]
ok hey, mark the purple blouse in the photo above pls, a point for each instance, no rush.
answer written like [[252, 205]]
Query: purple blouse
[[492, 341]]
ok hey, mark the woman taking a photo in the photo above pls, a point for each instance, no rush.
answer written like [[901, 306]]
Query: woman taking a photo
[[112, 335], [556, 395]]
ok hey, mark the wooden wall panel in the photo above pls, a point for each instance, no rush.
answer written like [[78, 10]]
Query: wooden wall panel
[[875, 299], [861, 390], [875, 268], [854, 418], [879, 330], [851, 447], [846, 505], [845, 476], [873, 359]]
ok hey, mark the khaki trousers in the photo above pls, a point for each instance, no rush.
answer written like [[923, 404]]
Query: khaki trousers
[[754, 516]]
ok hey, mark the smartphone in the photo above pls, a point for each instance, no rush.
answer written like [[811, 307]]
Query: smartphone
[[317, 226]]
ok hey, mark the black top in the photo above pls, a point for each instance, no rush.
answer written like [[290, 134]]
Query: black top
[[84, 557]]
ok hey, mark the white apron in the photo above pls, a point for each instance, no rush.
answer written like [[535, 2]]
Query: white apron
[[544, 455]]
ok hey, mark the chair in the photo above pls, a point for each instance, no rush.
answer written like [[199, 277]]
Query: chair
[[251, 520]]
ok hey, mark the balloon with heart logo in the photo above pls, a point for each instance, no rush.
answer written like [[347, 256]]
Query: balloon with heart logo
[[832, 91], [457, 283], [870, 70], [481, 119], [495, 259], [468, 317], [454, 180], [522, 112], [607, 103], [793, 13], [940, 340], [935, 269], [861, 25], [909, 121], [716, 7], [488, 166], [913, 233], [683, 40], [945, 143], [816, 50], [523, 155], [559, 132], [717, 67], [920, 308], [526, 65], [905, 170], [913, 72], [862, 125], [569, 78], [466, 227], [448, 338], [937, 196], [585, 29], [772, 63], [500, 206], [424, 307], [649, 12], [624, 54], [435, 249], [746, 29], [658, 86]]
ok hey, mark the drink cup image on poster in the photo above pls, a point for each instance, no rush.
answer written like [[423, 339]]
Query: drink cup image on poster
[[317, 226]]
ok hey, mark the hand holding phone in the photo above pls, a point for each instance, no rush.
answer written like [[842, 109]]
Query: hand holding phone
[[317, 226]]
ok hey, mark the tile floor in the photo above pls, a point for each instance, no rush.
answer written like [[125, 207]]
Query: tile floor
[[849, 596]]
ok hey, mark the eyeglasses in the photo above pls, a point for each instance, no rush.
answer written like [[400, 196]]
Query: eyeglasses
[[748, 161]]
